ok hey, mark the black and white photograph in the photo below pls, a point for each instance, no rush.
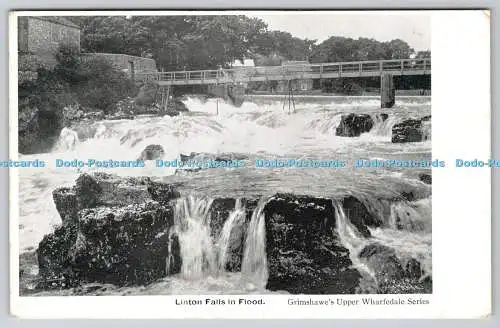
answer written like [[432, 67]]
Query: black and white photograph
[[260, 153]]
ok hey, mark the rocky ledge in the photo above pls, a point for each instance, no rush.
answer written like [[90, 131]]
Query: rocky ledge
[[352, 125], [117, 230], [412, 130]]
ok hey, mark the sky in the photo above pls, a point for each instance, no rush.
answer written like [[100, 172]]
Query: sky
[[414, 28]]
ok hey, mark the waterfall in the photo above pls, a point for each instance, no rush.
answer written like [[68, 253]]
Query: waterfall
[[254, 266], [68, 140], [411, 216], [354, 242], [381, 126], [192, 227], [348, 233], [231, 226]]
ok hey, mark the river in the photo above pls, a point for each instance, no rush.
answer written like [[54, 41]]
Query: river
[[260, 129]]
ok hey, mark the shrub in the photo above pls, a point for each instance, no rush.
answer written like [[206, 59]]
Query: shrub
[[100, 85]]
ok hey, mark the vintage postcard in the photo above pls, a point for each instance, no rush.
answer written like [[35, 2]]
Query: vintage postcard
[[277, 164]]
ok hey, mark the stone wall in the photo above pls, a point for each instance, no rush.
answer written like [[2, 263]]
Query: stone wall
[[45, 36], [132, 65]]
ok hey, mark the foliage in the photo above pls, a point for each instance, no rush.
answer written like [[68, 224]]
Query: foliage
[[203, 42], [91, 82], [336, 49], [100, 85]]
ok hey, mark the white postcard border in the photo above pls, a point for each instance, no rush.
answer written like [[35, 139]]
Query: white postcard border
[[461, 200]]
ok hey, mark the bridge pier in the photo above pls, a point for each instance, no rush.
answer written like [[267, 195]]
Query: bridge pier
[[387, 91], [233, 92]]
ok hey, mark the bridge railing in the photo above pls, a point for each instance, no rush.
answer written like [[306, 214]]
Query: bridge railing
[[292, 71]]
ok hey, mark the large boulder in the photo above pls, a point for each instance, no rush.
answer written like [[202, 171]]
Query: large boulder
[[115, 230], [152, 152], [408, 131], [304, 253], [382, 260], [119, 245], [352, 125]]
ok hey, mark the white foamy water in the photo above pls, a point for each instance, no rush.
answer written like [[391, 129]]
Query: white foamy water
[[231, 228], [260, 128], [254, 266]]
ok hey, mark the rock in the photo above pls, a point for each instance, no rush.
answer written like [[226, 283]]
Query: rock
[[358, 214], [54, 259], [38, 128], [76, 113], [382, 260], [406, 286], [188, 157], [407, 131], [115, 230], [407, 196], [425, 178], [304, 254], [87, 191], [102, 189], [162, 192], [170, 113], [120, 116], [228, 157], [383, 116], [426, 118], [66, 204], [152, 152], [352, 125], [118, 245], [414, 269]]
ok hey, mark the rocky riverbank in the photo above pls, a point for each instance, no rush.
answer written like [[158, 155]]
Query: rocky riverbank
[[120, 231], [39, 128], [409, 130]]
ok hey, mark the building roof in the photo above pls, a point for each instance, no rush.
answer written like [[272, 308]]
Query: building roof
[[58, 20]]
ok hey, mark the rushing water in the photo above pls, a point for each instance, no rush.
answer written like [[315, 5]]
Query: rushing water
[[259, 129], [231, 227]]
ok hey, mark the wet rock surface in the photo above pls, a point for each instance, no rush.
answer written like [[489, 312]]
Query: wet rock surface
[[152, 152], [118, 231], [407, 131], [425, 178], [392, 277], [358, 214], [304, 254], [352, 125], [412, 130], [115, 230]]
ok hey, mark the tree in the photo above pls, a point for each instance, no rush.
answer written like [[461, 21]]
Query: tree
[[423, 54]]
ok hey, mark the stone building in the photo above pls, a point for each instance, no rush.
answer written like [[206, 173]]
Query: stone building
[[43, 35], [40, 38]]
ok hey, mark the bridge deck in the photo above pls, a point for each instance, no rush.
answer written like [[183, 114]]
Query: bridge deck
[[292, 72]]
